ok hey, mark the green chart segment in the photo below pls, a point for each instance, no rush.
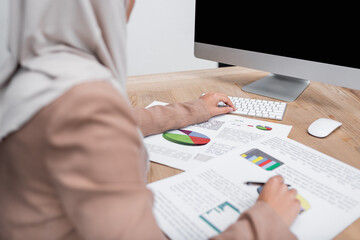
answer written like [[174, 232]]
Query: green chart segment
[[262, 159], [186, 137]]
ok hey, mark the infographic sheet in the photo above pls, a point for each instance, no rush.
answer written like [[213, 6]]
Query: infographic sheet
[[194, 145], [204, 201]]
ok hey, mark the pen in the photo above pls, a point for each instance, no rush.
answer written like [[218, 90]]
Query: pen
[[260, 183]]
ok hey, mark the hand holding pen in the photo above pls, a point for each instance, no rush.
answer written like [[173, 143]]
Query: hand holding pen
[[280, 198]]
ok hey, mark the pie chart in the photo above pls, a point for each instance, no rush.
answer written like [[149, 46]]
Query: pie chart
[[264, 128], [186, 137]]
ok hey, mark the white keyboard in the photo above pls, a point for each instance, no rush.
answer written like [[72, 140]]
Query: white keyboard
[[258, 108]]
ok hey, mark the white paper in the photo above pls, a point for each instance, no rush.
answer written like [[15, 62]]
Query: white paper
[[226, 133], [199, 203]]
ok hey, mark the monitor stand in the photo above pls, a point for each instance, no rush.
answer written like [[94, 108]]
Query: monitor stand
[[278, 86]]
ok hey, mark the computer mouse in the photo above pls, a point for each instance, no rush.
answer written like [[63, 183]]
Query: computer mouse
[[322, 127]]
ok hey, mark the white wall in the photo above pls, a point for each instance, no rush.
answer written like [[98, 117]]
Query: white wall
[[161, 38]]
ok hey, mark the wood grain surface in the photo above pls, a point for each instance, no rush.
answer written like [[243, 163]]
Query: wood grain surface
[[319, 100]]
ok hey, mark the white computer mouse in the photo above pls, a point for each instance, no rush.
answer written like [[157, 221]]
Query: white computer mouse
[[322, 127]]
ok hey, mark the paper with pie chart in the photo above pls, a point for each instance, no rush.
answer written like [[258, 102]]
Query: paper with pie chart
[[194, 145]]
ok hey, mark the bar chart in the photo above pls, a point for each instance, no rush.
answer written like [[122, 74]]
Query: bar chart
[[262, 159], [220, 217]]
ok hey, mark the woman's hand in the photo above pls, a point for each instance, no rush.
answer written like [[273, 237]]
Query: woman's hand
[[281, 199], [212, 100]]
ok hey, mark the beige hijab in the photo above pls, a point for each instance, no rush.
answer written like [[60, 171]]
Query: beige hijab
[[48, 46]]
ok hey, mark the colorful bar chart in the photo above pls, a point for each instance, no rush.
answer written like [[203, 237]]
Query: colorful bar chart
[[262, 159]]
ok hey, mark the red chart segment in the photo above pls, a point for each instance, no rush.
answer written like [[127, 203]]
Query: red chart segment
[[199, 140]]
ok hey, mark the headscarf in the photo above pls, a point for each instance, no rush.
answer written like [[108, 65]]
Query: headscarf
[[49, 46]]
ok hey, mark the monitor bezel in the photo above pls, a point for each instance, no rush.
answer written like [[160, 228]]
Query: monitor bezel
[[298, 68]]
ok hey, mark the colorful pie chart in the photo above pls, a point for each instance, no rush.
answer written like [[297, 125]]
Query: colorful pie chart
[[186, 137], [264, 128]]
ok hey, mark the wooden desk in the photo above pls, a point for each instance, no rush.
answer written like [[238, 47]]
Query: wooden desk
[[318, 100]]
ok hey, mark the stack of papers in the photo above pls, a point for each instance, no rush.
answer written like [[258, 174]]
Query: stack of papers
[[212, 194]]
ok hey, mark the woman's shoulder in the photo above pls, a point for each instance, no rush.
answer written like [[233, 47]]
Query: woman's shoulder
[[92, 91], [89, 98]]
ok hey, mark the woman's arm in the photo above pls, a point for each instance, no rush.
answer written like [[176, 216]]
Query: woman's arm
[[260, 222], [158, 119]]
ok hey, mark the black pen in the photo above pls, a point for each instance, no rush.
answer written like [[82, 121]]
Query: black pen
[[260, 183]]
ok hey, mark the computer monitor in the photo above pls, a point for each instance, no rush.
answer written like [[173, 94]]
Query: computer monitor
[[295, 41]]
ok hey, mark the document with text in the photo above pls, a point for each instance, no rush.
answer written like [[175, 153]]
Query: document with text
[[203, 202], [196, 144]]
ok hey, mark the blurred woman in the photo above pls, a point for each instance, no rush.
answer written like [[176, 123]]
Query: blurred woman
[[72, 161]]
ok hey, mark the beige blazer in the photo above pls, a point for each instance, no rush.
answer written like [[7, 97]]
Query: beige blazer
[[77, 170]]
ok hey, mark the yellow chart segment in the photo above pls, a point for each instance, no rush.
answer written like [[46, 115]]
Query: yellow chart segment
[[305, 205], [258, 159]]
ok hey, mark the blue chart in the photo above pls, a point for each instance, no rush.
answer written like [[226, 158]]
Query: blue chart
[[220, 217]]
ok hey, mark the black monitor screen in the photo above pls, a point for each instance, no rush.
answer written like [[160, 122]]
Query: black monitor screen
[[326, 32]]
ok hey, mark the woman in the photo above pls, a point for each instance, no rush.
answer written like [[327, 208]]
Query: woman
[[72, 161]]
